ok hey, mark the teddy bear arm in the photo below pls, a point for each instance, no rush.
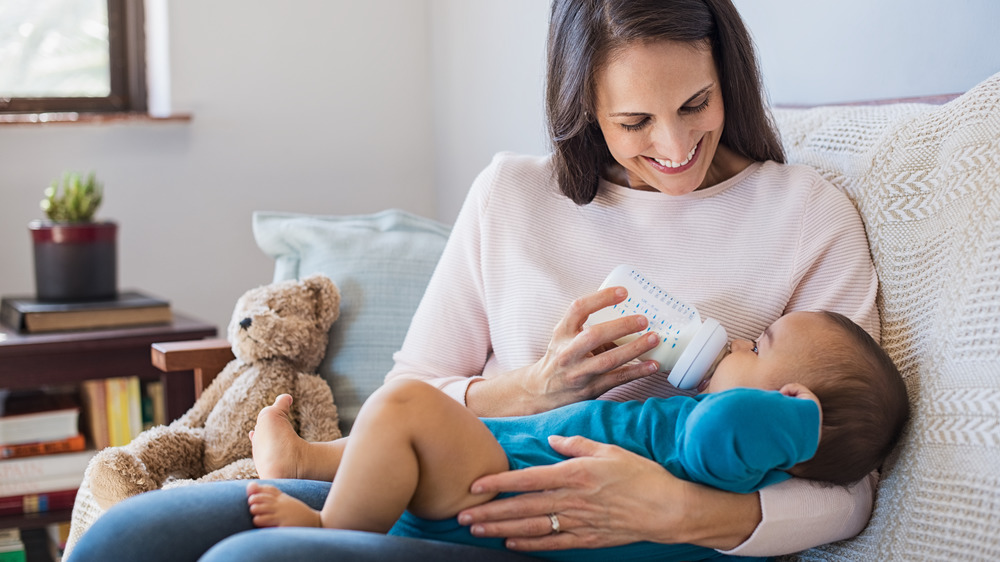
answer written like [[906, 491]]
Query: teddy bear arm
[[117, 473]]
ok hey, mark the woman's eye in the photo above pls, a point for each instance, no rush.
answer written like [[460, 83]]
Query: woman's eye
[[754, 350], [636, 126], [696, 108]]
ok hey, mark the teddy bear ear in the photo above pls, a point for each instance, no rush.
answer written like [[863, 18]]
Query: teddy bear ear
[[327, 297]]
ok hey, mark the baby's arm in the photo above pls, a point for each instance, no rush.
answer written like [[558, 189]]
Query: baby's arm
[[742, 439]]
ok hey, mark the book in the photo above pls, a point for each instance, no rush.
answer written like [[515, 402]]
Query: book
[[50, 425], [11, 547], [129, 308], [42, 474], [133, 396], [37, 503], [157, 404], [96, 412], [58, 537], [124, 409], [116, 399], [70, 444]]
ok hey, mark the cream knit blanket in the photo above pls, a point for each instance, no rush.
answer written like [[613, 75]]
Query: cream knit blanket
[[926, 180]]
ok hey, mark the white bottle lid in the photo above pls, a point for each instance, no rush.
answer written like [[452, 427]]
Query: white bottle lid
[[699, 355]]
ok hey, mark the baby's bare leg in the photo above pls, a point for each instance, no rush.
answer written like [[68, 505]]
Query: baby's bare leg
[[412, 447], [279, 452], [271, 507]]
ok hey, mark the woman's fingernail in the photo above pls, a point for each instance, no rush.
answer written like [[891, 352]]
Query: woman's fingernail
[[620, 292], [464, 519], [477, 530], [652, 337]]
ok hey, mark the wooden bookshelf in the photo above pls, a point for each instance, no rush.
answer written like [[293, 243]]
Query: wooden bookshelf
[[29, 361], [35, 360]]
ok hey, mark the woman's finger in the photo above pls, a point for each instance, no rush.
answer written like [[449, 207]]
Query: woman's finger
[[529, 527], [531, 479], [581, 308]]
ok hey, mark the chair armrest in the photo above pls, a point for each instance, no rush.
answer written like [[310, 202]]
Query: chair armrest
[[205, 357]]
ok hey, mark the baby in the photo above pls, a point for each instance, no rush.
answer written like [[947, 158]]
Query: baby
[[815, 397]]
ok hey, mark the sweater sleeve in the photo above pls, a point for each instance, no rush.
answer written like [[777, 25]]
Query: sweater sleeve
[[799, 514], [744, 439], [833, 269], [448, 341]]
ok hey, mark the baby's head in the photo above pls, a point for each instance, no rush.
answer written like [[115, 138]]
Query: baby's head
[[861, 393]]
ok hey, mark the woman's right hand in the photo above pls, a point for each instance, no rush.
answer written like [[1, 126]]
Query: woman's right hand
[[580, 362]]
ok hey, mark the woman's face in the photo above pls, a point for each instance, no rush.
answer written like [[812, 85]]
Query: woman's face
[[659, 106]]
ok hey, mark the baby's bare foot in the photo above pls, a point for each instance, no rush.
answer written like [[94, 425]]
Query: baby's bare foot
[[275, 444], [271, 507]]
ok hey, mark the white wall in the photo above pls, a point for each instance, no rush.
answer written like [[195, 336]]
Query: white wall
[[815, 52], [342, 107], [316, 106], [488, 58]]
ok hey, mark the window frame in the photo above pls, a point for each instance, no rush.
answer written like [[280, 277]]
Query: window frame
[[127, 50]]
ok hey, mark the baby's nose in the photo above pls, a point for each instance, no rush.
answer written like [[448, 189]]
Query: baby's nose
[[741, 345]]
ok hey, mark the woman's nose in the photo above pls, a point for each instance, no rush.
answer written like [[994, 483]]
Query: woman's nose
[[671, 141]]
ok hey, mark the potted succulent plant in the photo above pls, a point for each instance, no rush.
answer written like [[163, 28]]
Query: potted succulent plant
[[75, 256]]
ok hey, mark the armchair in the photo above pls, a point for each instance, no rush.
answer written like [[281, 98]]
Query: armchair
[[926, 181]]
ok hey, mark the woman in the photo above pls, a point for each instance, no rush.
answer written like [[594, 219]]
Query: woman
[[664, 159]]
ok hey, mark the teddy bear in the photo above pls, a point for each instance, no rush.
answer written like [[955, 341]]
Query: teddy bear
[[278, 334]]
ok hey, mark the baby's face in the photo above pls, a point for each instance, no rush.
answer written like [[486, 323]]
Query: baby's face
[[777, 357]]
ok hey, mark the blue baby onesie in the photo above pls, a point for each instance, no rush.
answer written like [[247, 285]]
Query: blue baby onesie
[[739, 440]]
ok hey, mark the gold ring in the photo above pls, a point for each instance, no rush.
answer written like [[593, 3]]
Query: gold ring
[[554, 520]]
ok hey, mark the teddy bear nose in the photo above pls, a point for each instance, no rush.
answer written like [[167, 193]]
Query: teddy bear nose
[[245, 323]]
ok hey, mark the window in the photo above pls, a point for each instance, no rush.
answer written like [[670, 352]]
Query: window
[[72, 56]]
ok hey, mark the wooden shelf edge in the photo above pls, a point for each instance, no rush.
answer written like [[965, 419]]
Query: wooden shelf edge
[[74, 117]]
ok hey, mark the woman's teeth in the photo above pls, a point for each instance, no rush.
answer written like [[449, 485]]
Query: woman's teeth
[[666, 163]]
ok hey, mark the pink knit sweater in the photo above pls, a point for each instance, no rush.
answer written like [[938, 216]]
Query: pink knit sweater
[[773, 239]]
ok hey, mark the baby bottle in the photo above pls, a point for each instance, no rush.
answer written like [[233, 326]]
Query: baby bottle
[[689, 348]]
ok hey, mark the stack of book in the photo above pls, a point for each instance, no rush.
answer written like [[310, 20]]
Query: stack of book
[[11, 546], [118, 409], [129, 308], [42, 459]]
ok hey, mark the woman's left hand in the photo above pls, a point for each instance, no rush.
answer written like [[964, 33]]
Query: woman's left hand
[[604, 496]]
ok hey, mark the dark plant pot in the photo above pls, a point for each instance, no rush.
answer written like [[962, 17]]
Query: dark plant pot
[[75, 261]]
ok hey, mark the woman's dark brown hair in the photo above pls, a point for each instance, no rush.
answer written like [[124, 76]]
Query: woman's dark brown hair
[[586, 34]]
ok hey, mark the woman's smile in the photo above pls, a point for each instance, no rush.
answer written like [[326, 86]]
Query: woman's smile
[[668, 166]]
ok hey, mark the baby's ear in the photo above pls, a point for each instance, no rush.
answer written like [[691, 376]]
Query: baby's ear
[[794, 389]]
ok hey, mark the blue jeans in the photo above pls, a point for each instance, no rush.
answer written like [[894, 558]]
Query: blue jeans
[[211, 522]]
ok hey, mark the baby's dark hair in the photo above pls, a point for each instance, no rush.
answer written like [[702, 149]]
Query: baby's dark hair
[[864, 403]]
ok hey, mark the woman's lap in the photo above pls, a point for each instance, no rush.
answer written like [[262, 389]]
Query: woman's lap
[[184, 523], [297, 543]]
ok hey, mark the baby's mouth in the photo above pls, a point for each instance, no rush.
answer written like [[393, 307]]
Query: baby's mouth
[[711, 370]]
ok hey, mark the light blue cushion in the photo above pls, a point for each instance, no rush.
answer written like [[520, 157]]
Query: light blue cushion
[[381, 263]]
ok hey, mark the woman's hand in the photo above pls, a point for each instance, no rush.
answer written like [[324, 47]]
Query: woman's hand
[[579, 363], [607, 496]]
